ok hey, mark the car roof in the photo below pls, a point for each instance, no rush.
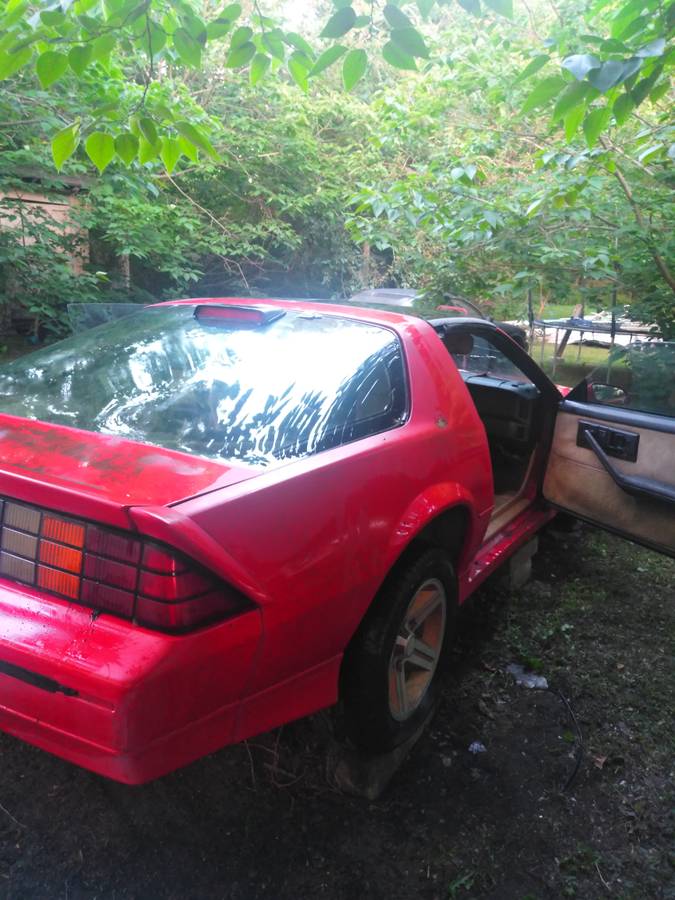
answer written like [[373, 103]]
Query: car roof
[[383, 314]]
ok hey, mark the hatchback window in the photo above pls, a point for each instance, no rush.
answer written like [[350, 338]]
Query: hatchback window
[[252, 390]]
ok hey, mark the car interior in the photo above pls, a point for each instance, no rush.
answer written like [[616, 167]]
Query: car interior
[[509, 406]]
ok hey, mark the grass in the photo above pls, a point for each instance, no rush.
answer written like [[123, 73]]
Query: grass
[[578, 362]]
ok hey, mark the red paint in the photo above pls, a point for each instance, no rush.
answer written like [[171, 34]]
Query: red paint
[[309, 542], [98, 476]]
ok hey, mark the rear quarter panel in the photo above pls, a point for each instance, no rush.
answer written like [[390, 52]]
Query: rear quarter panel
[[319, 535]]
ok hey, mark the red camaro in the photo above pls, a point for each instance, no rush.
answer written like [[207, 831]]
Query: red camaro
[[221, 515]]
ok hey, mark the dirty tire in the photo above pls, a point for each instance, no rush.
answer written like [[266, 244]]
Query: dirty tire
[[374, 718]]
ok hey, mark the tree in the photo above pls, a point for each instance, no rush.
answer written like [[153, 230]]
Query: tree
[[124, 53], [158, 87], [138, 44]]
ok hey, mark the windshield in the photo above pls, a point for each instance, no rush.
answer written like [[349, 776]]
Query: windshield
[[225, 389]]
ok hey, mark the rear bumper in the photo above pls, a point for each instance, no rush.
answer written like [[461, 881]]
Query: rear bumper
[[123, 701]]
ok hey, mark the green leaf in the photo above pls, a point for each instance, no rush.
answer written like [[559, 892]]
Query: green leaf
[[623, 106], [299, 66], [649, 152], [272, 41], [339, 23], [634, 27], [573, 95], [259, 65], [354, 68], [126, 147], [659, 91], [503, 7], [471, 6], [188, 149], [148, 130], [100, 149], [157, 38], [12, 62], [241, 36], [196, 28], [644, 86], [196, 136], [79, 58], [102, 47], [398, 58], [612, 73], [231, 12], [241, 56], [595, 123], [188, 48], [327, 58], [425, 7], [543, 92], [170, 153], [147, 151], [297, 41], [53, 17], [580, 64], [64, 144], [410, 41], [218, 28], [653, 48], [162, 113], [533, 66], [51, 66], [534, 206], [612, 46], [573, 120], [627, 13], [395, 17]]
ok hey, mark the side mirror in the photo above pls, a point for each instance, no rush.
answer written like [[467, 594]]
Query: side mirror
[[458, 343], [599, 392]]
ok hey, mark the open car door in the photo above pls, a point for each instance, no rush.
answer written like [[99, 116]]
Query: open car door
[[612, 457]]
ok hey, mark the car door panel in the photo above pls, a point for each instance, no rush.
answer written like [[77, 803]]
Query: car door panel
[[615, 468]]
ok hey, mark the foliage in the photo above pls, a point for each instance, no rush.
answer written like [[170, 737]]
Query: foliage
[[124, 51], [500, 162], [480, 200], [36, 266], [609, 73], [272, 211]]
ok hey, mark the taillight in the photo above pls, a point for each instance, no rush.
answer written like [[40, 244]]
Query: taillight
[[110, 571]]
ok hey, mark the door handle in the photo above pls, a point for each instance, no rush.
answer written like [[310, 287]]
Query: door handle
[[614, 442], [634, 485]]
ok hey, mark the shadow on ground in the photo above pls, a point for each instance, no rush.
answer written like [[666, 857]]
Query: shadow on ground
[[262, 820]]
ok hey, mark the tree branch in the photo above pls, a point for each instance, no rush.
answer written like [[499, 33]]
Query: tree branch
[[661, 264]]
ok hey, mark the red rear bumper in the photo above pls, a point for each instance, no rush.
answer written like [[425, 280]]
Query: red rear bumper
[[120, 700]]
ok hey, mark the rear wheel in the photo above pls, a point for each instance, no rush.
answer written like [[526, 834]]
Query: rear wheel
[[392, 667]]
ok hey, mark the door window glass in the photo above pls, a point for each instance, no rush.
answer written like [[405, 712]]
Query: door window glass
[[475, 355], [640, 376]]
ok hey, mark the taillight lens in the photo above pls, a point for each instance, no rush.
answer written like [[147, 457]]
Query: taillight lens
[[111, 571]]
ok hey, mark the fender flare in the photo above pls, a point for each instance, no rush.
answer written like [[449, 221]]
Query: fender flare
[[426, 508]]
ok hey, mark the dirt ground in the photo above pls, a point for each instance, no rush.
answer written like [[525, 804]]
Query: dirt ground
[[262, 820]]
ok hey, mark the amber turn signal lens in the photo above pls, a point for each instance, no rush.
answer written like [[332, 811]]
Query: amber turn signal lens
[[62, 557], [63, 530], [58, 582]]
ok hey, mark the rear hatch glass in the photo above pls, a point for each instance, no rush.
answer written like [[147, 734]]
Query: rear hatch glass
[[247, 390]]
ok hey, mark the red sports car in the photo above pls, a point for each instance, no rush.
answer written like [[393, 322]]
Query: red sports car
[[221, 515]]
